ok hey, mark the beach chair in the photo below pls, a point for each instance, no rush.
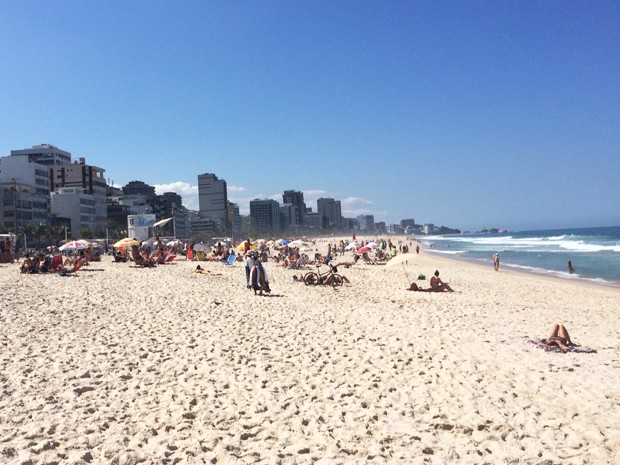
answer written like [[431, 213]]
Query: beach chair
[[231, 260], [74, 269]]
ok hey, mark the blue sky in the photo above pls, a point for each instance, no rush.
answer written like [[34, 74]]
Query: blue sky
[[465, 114]]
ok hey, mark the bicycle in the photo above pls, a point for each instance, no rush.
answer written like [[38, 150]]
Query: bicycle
[[332, 277]]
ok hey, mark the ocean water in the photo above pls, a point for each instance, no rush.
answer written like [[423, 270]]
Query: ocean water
[[594, 252]]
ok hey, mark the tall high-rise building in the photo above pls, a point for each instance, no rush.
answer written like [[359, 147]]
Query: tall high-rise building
[[288, 215], [212, 197], [265, 216], [366, 222], [234, 218], [332, 210], [297, 199]]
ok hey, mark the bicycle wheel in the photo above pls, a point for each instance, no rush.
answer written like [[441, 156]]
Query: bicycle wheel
[[311, 279], [337, 280]]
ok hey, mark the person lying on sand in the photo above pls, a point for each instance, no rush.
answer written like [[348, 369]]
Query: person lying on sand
[[558, 337], [201, 270], [416, 288], [349, 264], [559, 341]]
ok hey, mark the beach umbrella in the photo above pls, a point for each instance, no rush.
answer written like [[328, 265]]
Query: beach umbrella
[[126, 242], [372, 245], [400, 260], [241, 246], [202, 247], [173, 243], [364, 249], [80, 244], [298, 243], [352, 245], [284, 241]]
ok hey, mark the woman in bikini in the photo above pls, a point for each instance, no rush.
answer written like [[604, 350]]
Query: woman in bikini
[[558, 337]]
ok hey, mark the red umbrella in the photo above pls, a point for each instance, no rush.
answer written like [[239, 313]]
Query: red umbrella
[[363, 249], [75, 245]]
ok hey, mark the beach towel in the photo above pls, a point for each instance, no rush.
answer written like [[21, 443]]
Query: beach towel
[[542, 344]]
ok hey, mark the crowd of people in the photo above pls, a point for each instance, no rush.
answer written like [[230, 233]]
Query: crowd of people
[[55, 262]]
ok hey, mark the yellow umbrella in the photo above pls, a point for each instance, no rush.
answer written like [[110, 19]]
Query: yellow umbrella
[[126, 242], [242, 246], [401, 259]]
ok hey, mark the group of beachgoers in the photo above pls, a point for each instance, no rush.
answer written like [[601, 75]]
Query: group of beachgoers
[[145, 256], [55, 262]]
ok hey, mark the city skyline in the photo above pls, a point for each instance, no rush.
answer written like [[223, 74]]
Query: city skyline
[[465, 114]]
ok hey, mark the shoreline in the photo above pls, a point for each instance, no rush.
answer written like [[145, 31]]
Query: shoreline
[[516, 269], [552, 275]]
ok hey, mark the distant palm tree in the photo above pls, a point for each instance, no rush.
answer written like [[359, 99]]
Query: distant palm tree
[[26, 229], [40, 230], [56, 233]]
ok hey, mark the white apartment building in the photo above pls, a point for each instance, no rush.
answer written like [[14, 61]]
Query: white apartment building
[[76, 205]]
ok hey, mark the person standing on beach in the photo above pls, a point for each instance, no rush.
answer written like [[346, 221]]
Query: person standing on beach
[[496, 261], [571, 270]]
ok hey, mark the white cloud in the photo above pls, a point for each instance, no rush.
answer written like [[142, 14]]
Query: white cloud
[[355, 206], [184, 189]]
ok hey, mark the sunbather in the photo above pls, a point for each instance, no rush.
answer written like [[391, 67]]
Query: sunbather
[[415, 287], [349, 263], [558, 337], [65, 270], [27, 263], [140, 260], [437, 285], [559, 341]]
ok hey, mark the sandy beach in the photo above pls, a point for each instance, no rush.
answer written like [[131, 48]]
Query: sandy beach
[[124, 365]]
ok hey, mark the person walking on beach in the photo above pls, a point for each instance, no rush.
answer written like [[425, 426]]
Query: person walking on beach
[[571, 270], [496, 261]]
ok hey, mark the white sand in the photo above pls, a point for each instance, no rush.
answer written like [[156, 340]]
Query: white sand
[[124, 365]]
